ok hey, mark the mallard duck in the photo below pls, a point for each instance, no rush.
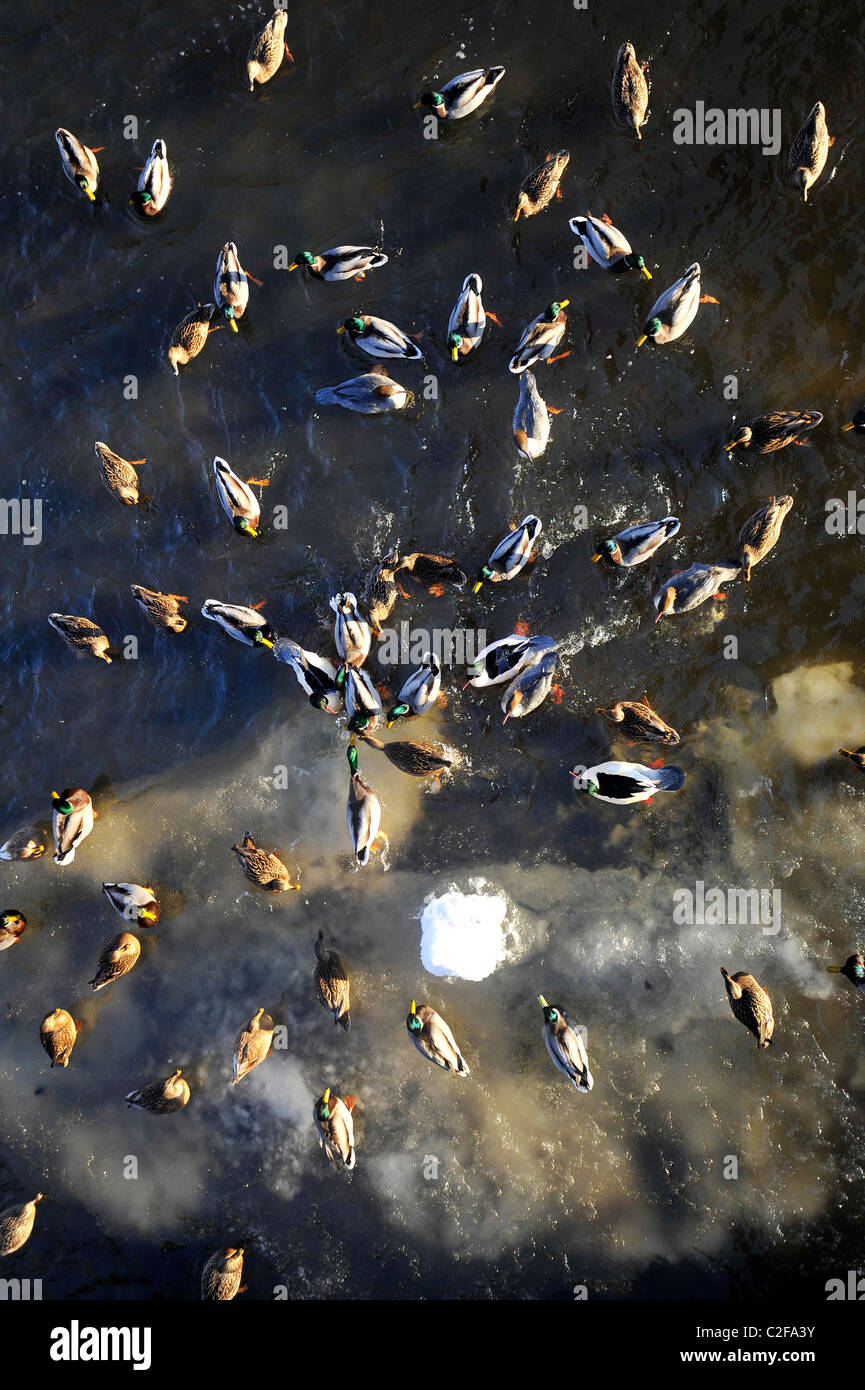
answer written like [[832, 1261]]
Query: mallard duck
[[341, 262], [266, 53], [237, 499], [417, 757], [81, 635], [80, 164], [116, 959], [363, 812], [541, 338], [501, 660], [809, 150], [751, 1005], [432, 572], [462, 95], [220, 1279], [244, 624], [624, 784], [190, 335], [231, 285], [433, 1039], [154, 183], [629, 90], [161, 609], [606, 245], [351, 632], [380, 338], [531, 686], [853, 968], [72, 821], [335, 1126], [315, 674], [856, 756], [566, 1047], [362, 700], [57, 1034], [512, 553], [760, 533], [637, 722], [693, 586], [262, 867], [381, 590], [420, 692], [531, 423], [16, 1224], [161, 1097], [134, 902], [675, 310], [118, 474], [468, 319], [252, 1044], [857, 423], [767, 433], [332, 988], [637, 543], [28, 843], [13, 925], [538, 188], [374, 393]]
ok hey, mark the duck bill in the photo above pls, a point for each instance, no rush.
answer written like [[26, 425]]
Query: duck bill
[[232, 325], [641, 340], [647, 273], [266, 642], [455, 356], [728, 448], [542, 1001], [596, 558], [833, 969], [417, 106], [293, 267], [478, 586], [341, 328], [849, 426]]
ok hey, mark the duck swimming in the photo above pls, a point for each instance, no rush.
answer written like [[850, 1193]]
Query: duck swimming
[[262, 867], [190, 335], [220, 1279], [765, 434], [13, 925], [531, 423], [133, 902], [809, 150], [420, 691], [434, 1040], [162, 609], [16, 1225], [252, 1044], [637, 544], [761, 532], [231, 286], [237, 499], [243, 624], [352, 633], [80, 164], [512, 553], [629, 90], [853, 968], [161, 1097], [692, 587], [335, 1128], [72, 821], [542, 185], [267, 51], [118, 474], [462, 95], [28, 843], [315, 674], [332, 988], [57, 1034], [362, 700], [468, 319], [363, 812], [374, 393], [607, 246], [637, 722], [341, 262], [624, 784], [531, 686], [380, 338], [501, 660], [566, 1047], [116, 960], [81, 635], [674, 311], [751, 1005], [154, 184], [541, 338]]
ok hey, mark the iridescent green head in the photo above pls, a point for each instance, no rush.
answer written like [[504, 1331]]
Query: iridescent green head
[[354, 325], [324, 1106], [434, 99], [413, 1023], [140, 198], [398, 712], [61, 805], [654, 328], [550, 1015], [306, 257], [351, 754], [358, 722], [244, 527]]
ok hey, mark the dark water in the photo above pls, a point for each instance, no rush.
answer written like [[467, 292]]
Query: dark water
[[539, 1189]]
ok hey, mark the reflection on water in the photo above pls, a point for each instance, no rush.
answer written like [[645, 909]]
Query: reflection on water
[[536, 1188]]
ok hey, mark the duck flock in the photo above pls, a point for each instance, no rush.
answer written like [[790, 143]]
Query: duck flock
[[338, 685]]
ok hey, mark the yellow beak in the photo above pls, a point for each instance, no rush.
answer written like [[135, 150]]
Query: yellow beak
[[834, 969], [233, 325], [477, 588], [266, 643], [647, 273], [413, 1007], [851, 426], [341, 328], [326, 1096], [148, 916], [542, 1001], [417, 106], [728, 448], [640, 341], [90, 194], [563, 303], [596, 558], [293, 267], [455, 354]]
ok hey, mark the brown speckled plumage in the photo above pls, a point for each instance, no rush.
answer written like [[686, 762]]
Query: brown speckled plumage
[[751, 1005], [330, 978]]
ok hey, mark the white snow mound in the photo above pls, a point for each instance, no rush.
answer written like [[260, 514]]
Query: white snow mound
[[462, 935]]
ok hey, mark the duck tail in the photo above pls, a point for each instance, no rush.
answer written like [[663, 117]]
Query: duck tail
[[669, 779], [345, 1021]]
